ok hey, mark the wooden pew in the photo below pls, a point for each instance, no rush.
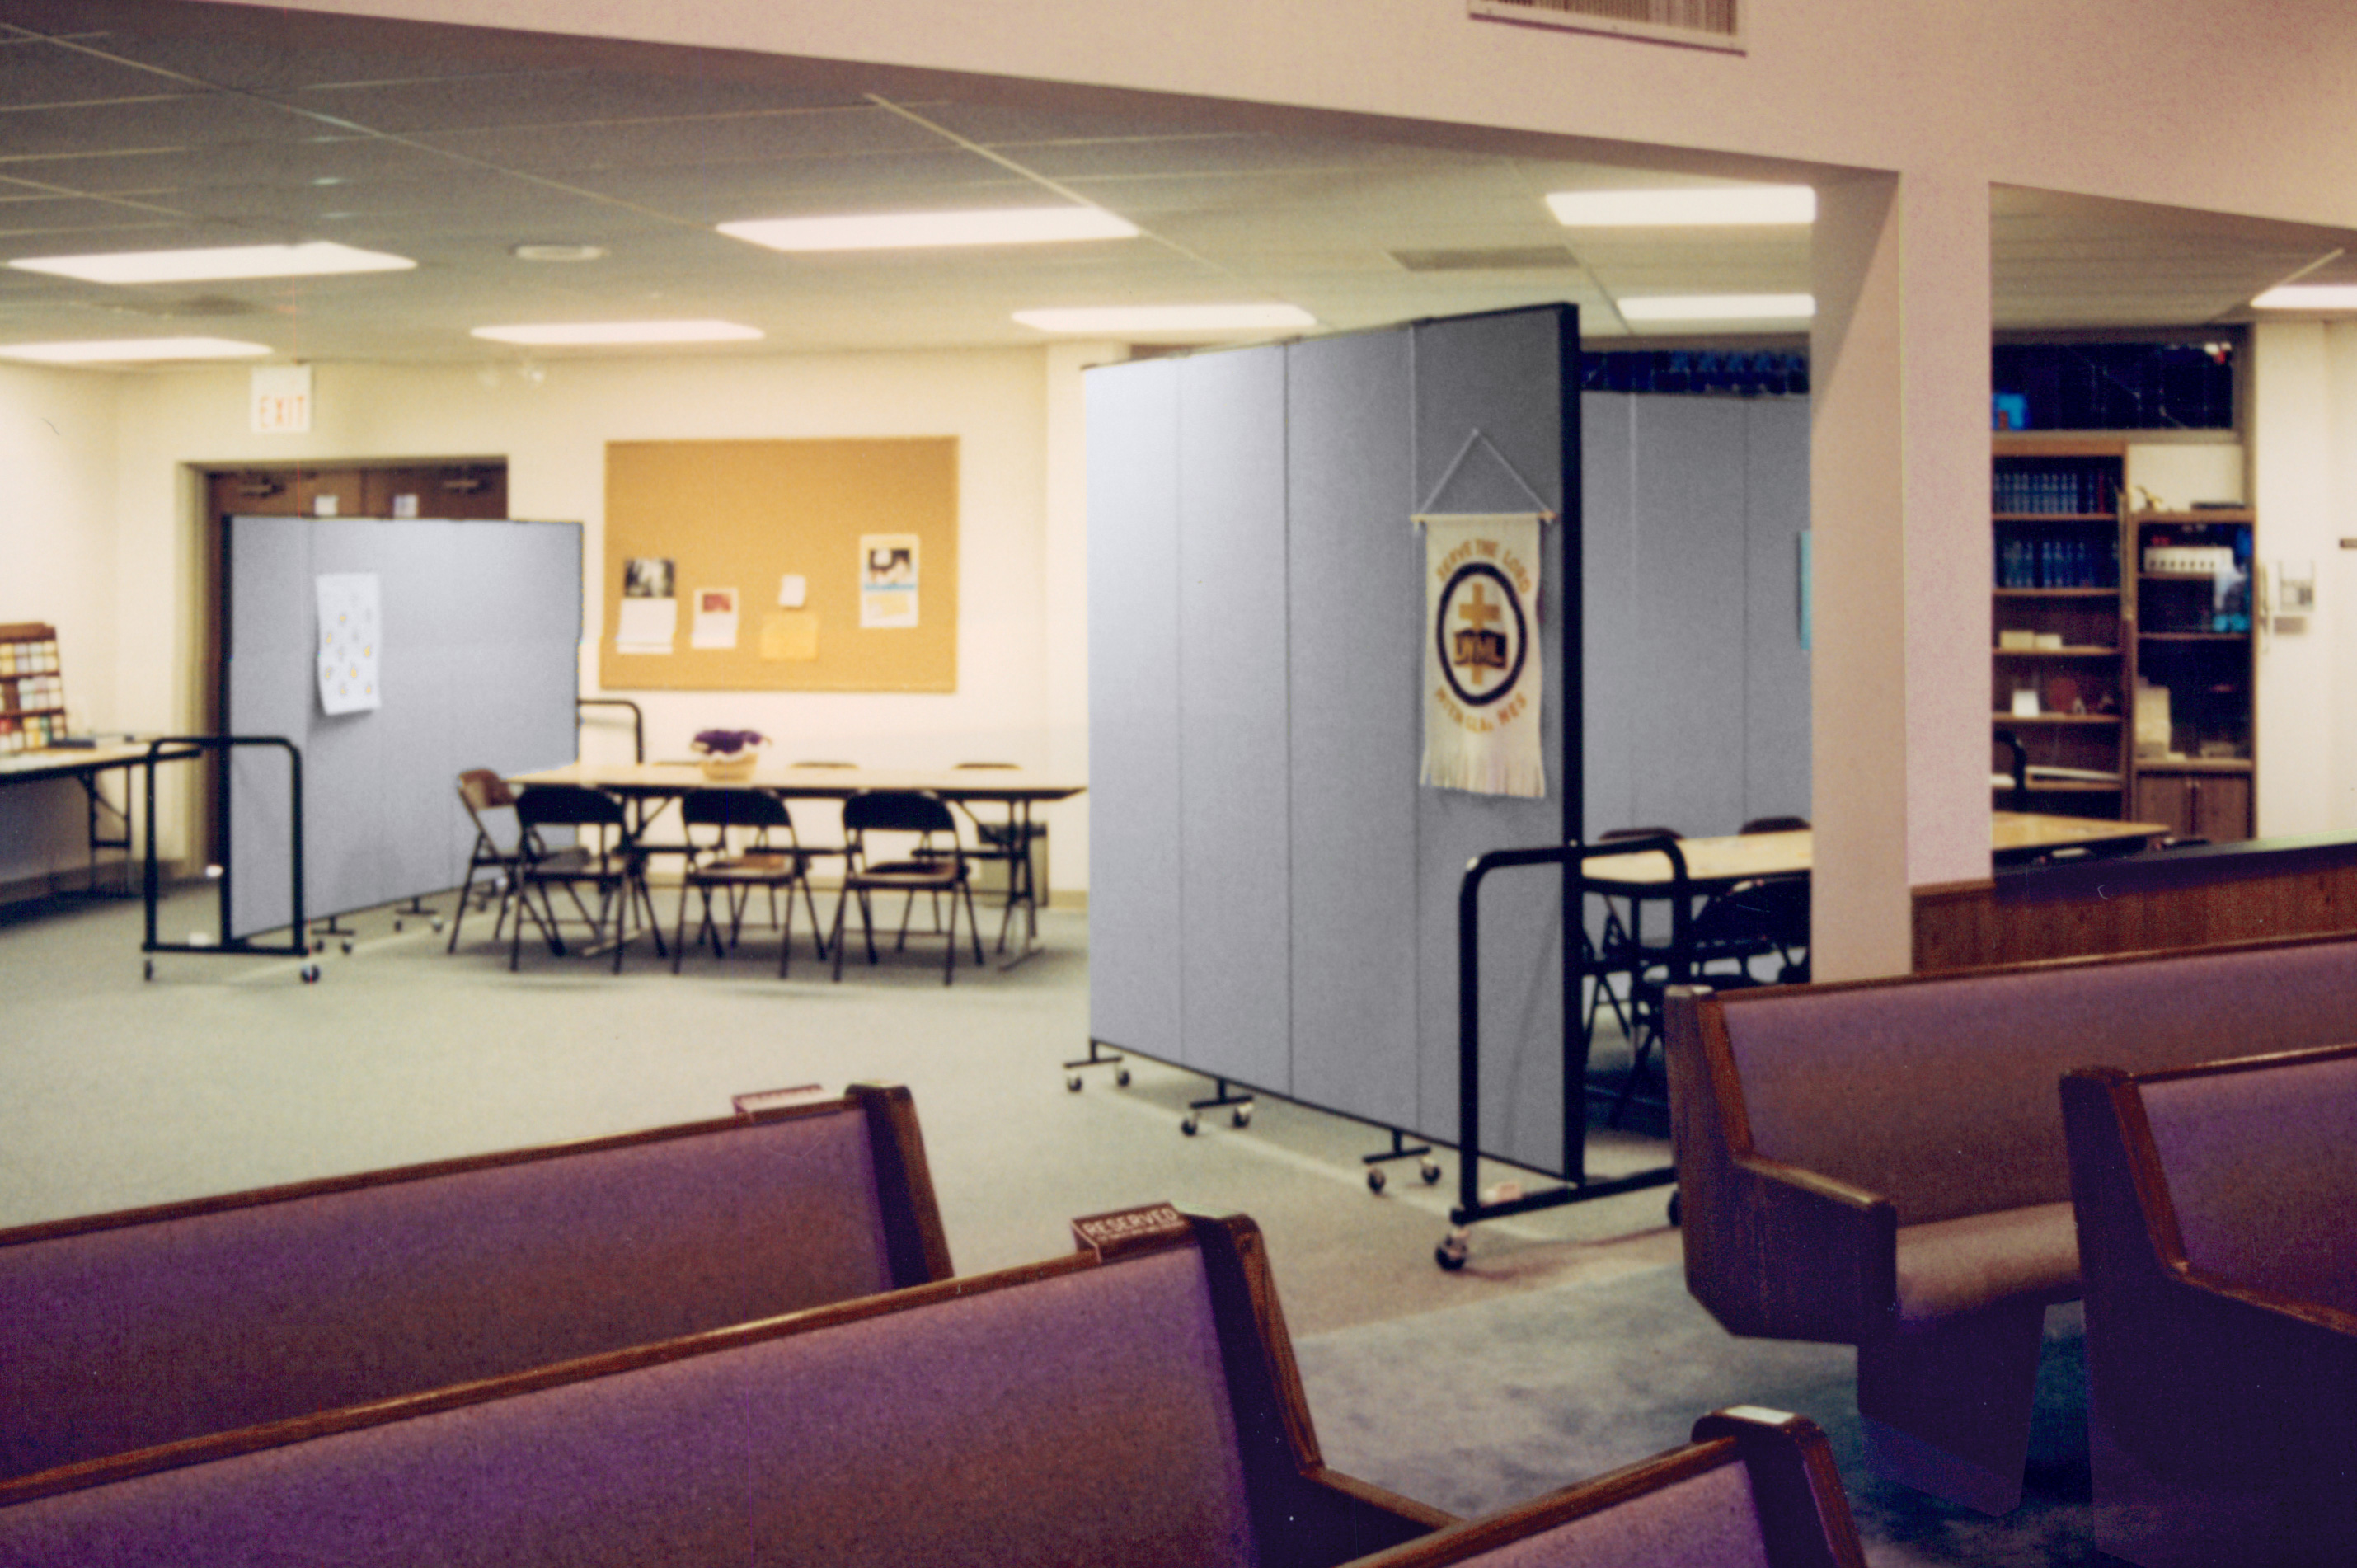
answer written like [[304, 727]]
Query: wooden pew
[[127, 1330], [1136, 1402], [2217, 1210], [1881, 1164], [1754, 1487]]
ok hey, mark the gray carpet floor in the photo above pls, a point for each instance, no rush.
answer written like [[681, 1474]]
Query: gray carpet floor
[[1482, 1405], [1566, 1346]]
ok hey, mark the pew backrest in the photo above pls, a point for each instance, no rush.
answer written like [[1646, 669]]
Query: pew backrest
[[1938, 1092], [2255, 1164], [128, 1330], [1086, 1409], [1755, 1488]]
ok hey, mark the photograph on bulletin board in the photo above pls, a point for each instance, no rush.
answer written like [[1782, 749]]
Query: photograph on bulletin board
[[858, 536]]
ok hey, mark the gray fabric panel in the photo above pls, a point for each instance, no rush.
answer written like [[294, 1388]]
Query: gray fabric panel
[[1355, 569], [1233, 708], [1776, 670], [511, 621], [1611, 677], [272, 690], [480, 667], [346, 759], [1503, 375], [1686, 730], [1134, 844], [853, 1445], [1611, 674]]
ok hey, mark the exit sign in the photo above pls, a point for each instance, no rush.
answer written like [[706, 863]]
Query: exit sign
[[282, 400]]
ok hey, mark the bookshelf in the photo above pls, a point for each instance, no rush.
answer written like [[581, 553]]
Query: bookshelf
[[2062, 669], [2195, 671], [32, 691]]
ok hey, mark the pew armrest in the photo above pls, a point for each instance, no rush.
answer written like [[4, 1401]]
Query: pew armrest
[[1772, 1249]]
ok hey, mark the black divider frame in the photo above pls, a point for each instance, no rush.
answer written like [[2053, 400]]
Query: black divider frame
[[1470, 1208], [186, 747]]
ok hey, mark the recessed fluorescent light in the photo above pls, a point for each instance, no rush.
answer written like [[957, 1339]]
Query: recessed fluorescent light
[[318, 258], [533, 251], [2309, 297], [1689, 205], [1170, 319], [128, 350], [579, 333], [1718, 307], [910, 231]]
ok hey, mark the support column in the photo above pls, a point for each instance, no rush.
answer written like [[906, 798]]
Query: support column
[[1899, 510]]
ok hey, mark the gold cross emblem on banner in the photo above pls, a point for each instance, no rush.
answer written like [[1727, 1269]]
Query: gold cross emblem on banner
[[1480, 649]]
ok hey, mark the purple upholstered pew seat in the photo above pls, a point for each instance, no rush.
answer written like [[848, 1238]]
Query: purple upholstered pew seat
[[1755, 1488], [1136, 1403], [147, 1327], [1881, 1164], [2217, 1213]]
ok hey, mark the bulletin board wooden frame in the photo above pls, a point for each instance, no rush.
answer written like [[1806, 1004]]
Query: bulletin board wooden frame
[[745, 514]]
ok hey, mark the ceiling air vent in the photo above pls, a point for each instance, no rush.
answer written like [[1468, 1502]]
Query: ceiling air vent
[[1505, 259], [1711, 24]]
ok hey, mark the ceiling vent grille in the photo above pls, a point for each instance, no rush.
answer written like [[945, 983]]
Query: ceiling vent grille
[[1505, 259], [1711, 24]]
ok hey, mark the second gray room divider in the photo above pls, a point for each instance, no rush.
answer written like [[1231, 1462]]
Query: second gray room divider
[[1273, 894]]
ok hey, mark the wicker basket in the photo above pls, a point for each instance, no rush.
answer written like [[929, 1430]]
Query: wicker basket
[[730, 766]]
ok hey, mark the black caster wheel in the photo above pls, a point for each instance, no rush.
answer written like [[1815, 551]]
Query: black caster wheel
[[1072, 1082], [1677, 1211], [1375, 1180], [1242, 1116], [1120, 1078], [1188, 1126], [319, 947], [1454, 1249], [148, 969], [396, 926], [310, 974], [1430, 1171], [348, 950]]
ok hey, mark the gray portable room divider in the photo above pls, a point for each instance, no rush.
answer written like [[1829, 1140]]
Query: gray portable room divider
[[1273, 895], [479, 667]]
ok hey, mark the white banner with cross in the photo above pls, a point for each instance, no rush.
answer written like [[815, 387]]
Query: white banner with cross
[[1481, 665]]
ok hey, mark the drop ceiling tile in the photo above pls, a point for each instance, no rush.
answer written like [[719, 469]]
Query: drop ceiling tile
[[688, 142], [444, 106], [190, 120]]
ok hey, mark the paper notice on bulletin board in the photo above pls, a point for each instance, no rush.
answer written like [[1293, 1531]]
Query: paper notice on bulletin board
[[887, 579], [716, 618], [350, 618]]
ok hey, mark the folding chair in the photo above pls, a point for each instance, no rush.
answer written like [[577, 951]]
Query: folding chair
[[935, 865], [762, 863], [1617, 951], [614, 867], [491, 805]]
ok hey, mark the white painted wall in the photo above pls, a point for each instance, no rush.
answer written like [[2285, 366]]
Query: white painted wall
[[2304, 468], [2178, 473], [57, 433], [1022, 691], [2294, 465]]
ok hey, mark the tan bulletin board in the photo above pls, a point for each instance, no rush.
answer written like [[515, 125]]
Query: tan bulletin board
[[747, 516]]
